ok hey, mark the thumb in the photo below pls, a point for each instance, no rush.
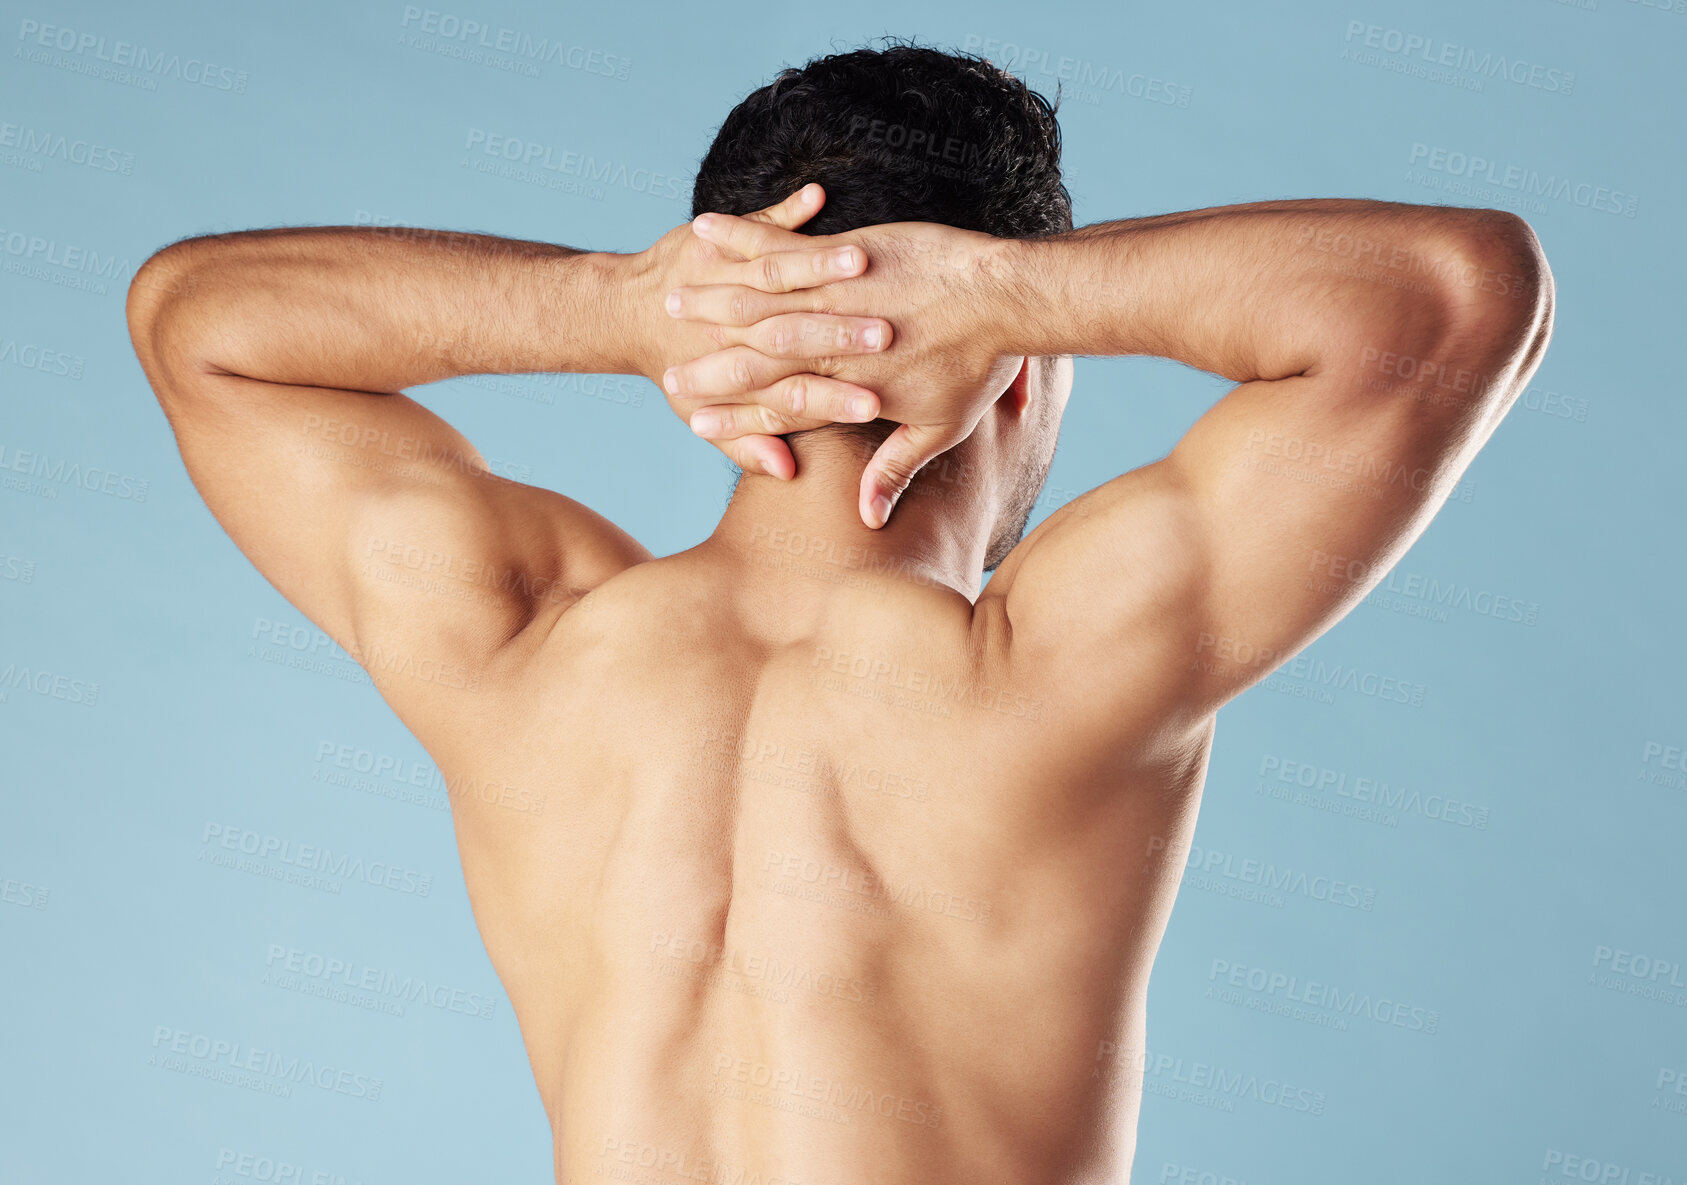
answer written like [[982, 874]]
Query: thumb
[[795, 210], [903, 454], [760, 454]]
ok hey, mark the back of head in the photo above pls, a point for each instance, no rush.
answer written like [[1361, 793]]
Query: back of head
[[902, 134]]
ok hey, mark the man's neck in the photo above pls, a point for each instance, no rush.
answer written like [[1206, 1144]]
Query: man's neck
[[810, 525]]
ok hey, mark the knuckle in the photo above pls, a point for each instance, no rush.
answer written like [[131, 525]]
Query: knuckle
[[770, 272], [796, 394], [899, 469], [741, 371]]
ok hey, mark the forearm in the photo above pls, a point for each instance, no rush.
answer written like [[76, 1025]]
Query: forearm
[[381, 309], [1266, 290]]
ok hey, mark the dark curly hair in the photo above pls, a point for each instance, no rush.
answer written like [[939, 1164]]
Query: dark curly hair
[[901, 134]]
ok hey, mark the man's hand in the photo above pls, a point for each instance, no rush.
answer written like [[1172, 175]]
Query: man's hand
[[793, 386], [943, 290]]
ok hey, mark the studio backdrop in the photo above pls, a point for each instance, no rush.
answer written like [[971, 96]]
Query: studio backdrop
[[1433, 925]]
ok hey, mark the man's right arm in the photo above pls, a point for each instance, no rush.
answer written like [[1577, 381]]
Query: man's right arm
[[280, 357], [1376, 346]]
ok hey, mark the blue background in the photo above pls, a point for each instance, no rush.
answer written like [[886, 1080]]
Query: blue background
[[1549, 1043]]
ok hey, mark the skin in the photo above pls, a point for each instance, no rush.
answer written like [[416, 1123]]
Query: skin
[[846, 869]]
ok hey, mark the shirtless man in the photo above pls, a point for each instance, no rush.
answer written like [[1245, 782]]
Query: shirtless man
[[847, 871]]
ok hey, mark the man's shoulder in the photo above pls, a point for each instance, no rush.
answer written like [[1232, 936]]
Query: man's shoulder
[[1130, 550], [1101, 604]]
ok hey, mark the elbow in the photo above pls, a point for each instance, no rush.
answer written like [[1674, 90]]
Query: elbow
[[158, 283], [158, 298], [1498, 290]]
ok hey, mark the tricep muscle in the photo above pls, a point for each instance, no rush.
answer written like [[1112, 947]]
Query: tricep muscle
[[1171, 589], [383, 525]]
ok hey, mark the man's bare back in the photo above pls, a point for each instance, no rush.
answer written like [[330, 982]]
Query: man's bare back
[[849, 867], [815, 895]]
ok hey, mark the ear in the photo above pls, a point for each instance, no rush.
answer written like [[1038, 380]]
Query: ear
[[1018, 395]]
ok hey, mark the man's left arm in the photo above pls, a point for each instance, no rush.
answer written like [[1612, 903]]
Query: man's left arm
[[1366, 385]]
